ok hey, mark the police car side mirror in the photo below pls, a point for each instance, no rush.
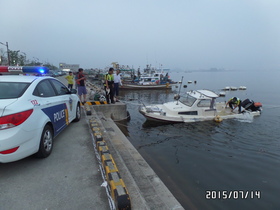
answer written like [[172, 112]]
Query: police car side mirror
[[73, 91]]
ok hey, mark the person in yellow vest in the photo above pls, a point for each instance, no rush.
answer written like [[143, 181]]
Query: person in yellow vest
[[109, 86], [233, 103], [70, 80]]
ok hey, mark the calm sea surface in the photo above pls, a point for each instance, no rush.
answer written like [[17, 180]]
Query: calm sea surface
[[234, 164]]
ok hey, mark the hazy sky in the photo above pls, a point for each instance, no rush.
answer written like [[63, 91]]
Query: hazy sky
[[185, 34]]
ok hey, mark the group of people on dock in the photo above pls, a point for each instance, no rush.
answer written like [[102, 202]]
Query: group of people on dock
[[80, 83], [112, 82], [111, 85]]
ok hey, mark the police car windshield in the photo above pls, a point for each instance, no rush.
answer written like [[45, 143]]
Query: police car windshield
[[9, 90]]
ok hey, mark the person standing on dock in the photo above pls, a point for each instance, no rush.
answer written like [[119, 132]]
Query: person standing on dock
[[109, 86], [117, 83], [80, 81]]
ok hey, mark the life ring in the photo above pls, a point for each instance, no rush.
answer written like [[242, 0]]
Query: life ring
[[167, 84]]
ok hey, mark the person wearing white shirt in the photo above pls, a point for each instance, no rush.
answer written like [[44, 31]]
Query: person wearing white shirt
[[117, 83]]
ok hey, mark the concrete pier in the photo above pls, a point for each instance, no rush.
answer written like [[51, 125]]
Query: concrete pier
[[145, 188], [115, 111]]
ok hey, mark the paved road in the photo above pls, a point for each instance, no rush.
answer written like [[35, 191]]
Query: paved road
[[68, 179]]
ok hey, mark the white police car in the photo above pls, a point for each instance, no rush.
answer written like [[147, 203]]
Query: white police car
[[33, 110]]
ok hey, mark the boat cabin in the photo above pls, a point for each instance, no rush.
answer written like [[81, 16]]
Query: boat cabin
[[200, 102], [155, 78]]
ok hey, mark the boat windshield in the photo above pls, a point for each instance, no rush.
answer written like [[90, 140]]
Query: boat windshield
[[187, 100]]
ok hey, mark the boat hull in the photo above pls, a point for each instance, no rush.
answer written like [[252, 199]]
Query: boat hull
[[145, 87], [159, 118]]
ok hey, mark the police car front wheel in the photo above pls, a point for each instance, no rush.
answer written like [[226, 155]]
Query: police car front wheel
[[46, 143], [78, 113]]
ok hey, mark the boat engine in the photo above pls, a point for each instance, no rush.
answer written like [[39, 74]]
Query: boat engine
[[250, 105]]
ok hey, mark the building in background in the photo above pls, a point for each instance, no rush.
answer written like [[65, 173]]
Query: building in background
[[68, 67]]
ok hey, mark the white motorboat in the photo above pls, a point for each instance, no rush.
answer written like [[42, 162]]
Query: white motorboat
[[222, 94], [242, 88], [196, 106]]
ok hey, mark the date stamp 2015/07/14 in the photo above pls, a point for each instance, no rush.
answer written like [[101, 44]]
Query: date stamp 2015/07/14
[[232, 194]]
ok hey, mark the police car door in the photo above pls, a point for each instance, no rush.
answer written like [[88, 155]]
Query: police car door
[[52, 105], [68, 99]]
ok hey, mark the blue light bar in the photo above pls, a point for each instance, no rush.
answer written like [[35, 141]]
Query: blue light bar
[[35, 69], [24, 70]]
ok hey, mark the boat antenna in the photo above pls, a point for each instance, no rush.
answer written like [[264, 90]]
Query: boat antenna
[[180, 90]]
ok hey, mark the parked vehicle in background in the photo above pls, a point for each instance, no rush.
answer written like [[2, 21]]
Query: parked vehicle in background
[[50, 73], [56, 74]]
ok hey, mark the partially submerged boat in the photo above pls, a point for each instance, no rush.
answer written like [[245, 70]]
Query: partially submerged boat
[[199, 105]]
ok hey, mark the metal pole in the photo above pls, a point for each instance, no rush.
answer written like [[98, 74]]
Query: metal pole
[[8, 52], [180, 89]]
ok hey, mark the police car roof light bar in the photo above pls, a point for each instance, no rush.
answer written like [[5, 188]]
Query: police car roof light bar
[[24, 69]]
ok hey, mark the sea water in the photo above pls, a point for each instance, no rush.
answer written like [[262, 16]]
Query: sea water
[[234, 164]]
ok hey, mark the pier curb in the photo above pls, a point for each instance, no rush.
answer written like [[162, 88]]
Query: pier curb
[[118, 189], [121, 163], [96, 102], [146, 190]]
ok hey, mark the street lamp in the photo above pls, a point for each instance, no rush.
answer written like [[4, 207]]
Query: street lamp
[[7, 45]]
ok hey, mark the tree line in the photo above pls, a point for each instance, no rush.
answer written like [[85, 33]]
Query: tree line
[[17, 58]]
